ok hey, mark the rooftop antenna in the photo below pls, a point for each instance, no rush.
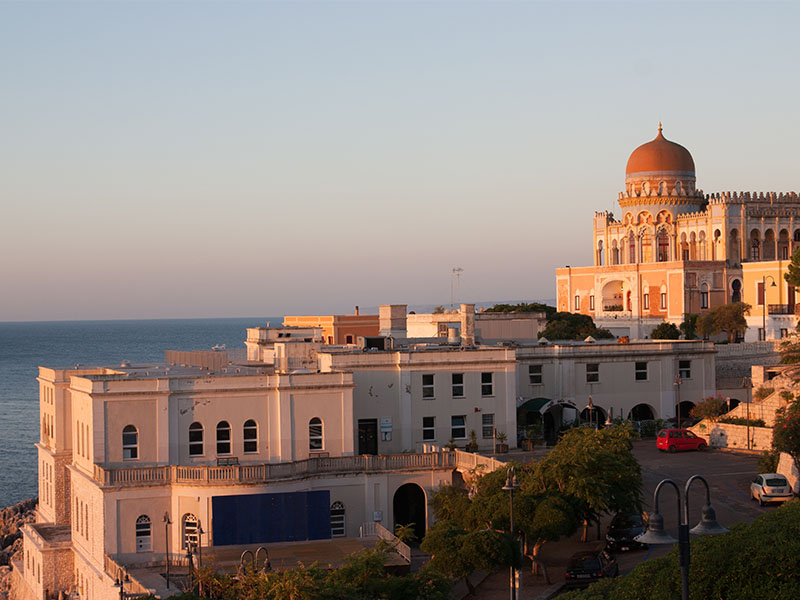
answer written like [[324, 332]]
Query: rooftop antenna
[[456, 274]]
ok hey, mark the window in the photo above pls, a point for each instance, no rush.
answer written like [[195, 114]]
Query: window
[[646, 301], [428, 428], [592, 373], [223, 438], [458, 427], [348, 339], [784, 332], [315, 434], [458, 385], [487, 387], [487, 422], [760, 293], [337, 520], [704, 296], [427, 385], [577, 302], [190, 531], [591, 302], [535, 374], [441, 329], [195, 439], [130, 443], [641, 371], [663, 300], [250, 436], [685, 369], [144, 534]]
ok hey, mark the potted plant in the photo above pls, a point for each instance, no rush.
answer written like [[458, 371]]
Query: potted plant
[[473, 442], [529, 441], [450, 445], [501, 447]]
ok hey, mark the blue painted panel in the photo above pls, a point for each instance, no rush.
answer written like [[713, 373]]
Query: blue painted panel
[[265, 518]]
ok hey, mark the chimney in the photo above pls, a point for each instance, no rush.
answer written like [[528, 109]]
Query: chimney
[[392, 320], [356, 310], [467, 324]]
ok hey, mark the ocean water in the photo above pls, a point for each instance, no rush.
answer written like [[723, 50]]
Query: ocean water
[[26, 346]]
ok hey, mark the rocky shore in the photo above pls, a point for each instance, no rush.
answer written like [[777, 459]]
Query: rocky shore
[[11, 519]]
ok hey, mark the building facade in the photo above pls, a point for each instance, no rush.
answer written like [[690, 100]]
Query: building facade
[[676, 250]]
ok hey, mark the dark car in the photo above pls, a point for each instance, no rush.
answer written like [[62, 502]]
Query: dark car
[[624, 527], [587, 567]]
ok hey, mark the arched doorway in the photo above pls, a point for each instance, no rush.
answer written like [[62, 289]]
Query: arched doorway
[[409, 507], [595, 417], [642, 412], [529, 416], [736, 291], [683, 410]]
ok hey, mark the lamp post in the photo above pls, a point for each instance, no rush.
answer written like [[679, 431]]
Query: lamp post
[[200, 533], [655, 534], [764, 307], [120, 581], [590, 406], [511, 484], [747, 384], [167, 523], [677, 383]]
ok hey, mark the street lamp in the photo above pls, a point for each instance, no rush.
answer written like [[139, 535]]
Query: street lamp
[[677, 383], [764, 307], [167, 523], [747, 384], [200, 533], [120, 581], [511, 484], [655, 534], [590, 406]]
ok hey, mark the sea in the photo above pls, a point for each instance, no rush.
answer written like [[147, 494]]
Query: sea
[[26, 346]]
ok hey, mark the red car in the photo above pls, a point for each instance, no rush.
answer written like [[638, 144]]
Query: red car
[[679, 439]]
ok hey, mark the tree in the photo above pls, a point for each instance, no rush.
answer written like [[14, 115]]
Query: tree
[[457, 552], [689, 326], [786, 431], [792, 275], [726, 318], [524, 307], [666, 331], [573, 326], [597, 469], [710, 408]]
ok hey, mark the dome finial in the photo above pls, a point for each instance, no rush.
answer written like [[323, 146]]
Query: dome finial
[[659, 128]]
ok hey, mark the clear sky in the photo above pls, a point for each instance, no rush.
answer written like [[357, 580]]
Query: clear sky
[[233, 159]]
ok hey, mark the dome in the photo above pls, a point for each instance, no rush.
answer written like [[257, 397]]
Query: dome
[[660, 157]]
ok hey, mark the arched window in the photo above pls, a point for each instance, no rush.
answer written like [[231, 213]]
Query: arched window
[[663, 246], [250, 436], [223, 438], [704, 296], [337, 520], [195, 439], [315, 434], [189, 530], [130, 443], [631, 248], [144, 534]]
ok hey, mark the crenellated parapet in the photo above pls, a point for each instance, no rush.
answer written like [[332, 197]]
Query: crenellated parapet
[[754, 197], [677, 191]]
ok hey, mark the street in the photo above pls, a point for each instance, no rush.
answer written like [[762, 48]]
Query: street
[[728, 474]]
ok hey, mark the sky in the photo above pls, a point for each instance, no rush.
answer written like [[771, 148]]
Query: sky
[[222, 159]]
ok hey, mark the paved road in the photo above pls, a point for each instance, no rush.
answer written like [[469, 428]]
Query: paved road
[[728, 473]]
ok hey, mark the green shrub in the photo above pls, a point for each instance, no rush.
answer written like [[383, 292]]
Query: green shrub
[[742, 421], [768, 462], [762, 392], [786, 395], [756, 560]]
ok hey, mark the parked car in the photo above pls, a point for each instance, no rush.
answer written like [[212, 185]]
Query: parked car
[[770, 487], [679, 439], [622, 531], [589, 566]]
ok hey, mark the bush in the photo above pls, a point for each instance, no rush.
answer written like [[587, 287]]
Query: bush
[[742, 421], [756, 560], [786, 395], [666, 331], [768, 462], [762, 392]]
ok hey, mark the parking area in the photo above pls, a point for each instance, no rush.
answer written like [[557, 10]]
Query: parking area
[[728, 473]]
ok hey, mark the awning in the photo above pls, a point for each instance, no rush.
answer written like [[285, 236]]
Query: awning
[[534, 404]]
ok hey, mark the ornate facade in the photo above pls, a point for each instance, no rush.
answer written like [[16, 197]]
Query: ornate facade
[[676, 250]]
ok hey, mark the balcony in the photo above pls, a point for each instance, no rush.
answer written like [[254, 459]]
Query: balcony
[[781, 309], [273, 472]]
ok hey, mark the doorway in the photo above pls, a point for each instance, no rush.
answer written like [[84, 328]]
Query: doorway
[[368, 436]]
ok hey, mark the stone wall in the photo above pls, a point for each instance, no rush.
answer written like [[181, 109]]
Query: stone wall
[[787, 468], [724, 435]]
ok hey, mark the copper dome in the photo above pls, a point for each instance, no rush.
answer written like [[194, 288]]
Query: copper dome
[[660, 156]]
